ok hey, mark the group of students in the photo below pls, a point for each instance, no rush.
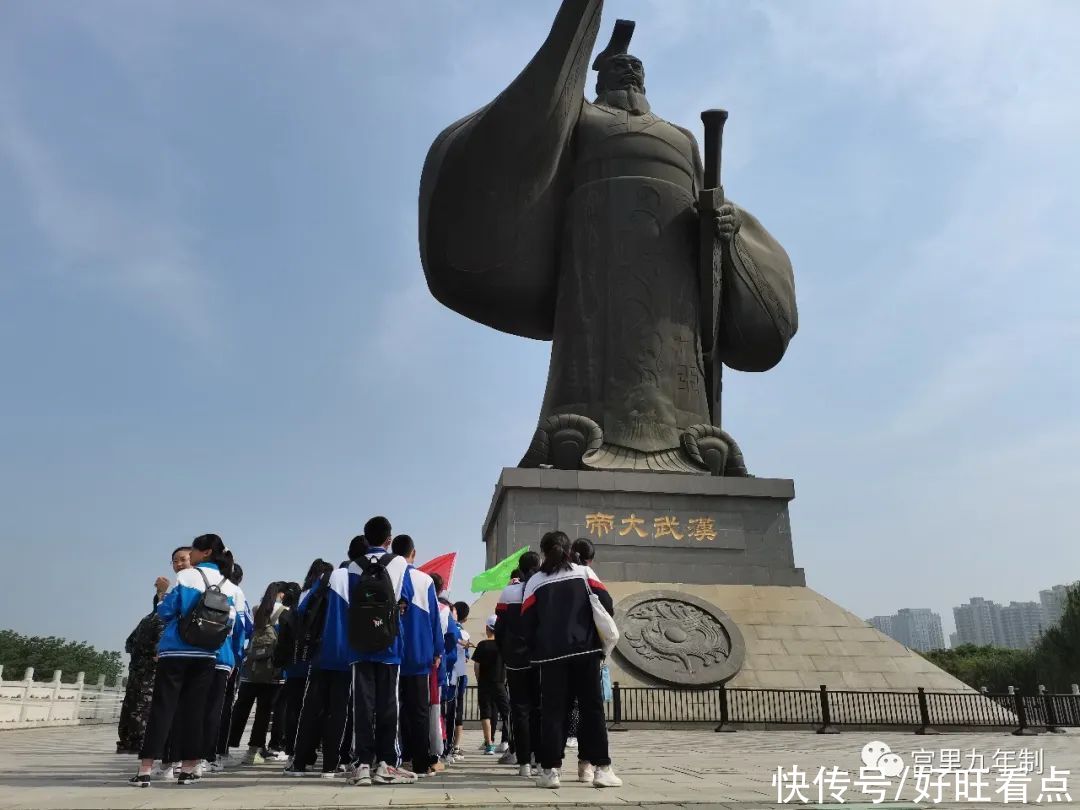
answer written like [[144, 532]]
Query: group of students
[[366, 663]]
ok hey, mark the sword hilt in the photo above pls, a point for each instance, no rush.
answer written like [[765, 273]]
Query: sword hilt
[[714, 121]]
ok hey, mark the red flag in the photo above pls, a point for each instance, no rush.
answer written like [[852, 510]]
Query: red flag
[[443, 566]]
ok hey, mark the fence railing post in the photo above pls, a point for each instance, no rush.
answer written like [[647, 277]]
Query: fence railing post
[[826, 716], [725, 719], [54, 696], [80, 683], [28, 682], [616, 708], [924, 715], [100, 697], [1050, 710], [1022, 729]]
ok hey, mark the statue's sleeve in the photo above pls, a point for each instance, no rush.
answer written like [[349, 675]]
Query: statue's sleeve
[[758, 316], [494, 184]]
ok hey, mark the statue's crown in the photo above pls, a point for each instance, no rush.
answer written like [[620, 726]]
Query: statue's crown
[[619, 43]]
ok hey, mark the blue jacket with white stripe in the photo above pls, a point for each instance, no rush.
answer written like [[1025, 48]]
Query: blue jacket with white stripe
[[179, 602], [421, 632], [336, 652]]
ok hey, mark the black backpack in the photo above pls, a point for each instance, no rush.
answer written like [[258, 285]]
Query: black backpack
[[209, 622], [285, 649], [260, 664], [373, 607], [311, 624]]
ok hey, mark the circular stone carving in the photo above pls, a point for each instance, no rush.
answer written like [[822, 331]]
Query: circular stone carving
[[679, 639]]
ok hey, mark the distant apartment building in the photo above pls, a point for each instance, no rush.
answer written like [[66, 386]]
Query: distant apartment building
[[978, 622], [1021, 624], [917, 628], [882, 623], [1017, 625], [1053, 603]]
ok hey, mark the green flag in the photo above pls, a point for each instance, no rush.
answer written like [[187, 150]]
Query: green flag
[[498, 577]]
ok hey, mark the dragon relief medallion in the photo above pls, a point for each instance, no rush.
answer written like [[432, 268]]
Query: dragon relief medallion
[[679, 639]]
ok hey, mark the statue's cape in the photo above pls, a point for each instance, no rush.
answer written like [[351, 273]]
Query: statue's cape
[[494, 184]]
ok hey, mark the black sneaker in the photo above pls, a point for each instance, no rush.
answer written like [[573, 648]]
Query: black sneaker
[[140, 781], [187, 778]]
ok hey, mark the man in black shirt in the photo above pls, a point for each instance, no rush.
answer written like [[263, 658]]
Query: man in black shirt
[[491, 694]]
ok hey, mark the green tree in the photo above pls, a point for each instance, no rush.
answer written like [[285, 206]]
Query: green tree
[[1058, 652], [996, 668], [48, 653]]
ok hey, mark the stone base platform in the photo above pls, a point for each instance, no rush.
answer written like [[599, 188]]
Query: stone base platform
[[795, 638]]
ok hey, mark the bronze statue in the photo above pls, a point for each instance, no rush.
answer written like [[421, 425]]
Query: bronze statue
[[596, 226]]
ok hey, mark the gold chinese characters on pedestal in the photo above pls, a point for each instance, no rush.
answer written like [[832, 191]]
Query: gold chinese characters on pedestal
[[600, 524]]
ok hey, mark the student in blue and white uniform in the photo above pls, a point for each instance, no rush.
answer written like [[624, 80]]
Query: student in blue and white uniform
[[185, 672], [375, 675], [459, 683], [225, 665], [557, 624], [441, 677], [244, 622], [296, 673], [422, 644], [324, 708]]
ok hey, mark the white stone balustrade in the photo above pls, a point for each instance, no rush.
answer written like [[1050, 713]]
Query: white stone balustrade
[[36, 704]]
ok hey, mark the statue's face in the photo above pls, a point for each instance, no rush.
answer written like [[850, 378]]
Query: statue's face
[[621, 72]]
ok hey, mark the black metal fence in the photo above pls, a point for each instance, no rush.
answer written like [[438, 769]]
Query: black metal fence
[[828, 710]]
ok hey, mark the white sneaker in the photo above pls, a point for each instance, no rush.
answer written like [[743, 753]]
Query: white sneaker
[[217, 767], [167, 773], [548, 778], [571, 742], [388, 775], [361, 776], [277, 756], [585, 772], [502, 747], [525, 770], [605, 777]]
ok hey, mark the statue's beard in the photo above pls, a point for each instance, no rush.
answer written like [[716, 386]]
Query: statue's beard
[[629, 97]]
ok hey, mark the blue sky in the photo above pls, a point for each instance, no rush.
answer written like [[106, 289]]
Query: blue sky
[[213, 318]]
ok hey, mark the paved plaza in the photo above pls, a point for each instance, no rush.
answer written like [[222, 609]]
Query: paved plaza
[[61, 768]]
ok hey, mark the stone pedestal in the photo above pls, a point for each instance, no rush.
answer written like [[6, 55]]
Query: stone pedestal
[[652, 527], [704, 580]]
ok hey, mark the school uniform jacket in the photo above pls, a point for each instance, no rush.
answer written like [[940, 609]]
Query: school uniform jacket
[[233, 652], [300, 669], [509, 634], [451, 634], [420, 632], [336, 653], [179, 602], [556, 616]]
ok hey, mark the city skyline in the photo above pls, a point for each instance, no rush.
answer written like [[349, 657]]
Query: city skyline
[[1016, 624]]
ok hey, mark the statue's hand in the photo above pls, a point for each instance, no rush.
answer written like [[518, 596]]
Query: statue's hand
[[726, 221]]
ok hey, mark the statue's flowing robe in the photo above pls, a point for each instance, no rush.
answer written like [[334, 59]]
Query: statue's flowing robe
[[513, 236]]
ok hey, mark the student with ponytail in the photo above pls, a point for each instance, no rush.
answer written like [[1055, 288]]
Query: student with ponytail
[[228, 658], [199, 613], [557, 625], [260, 679], [522, 678]]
